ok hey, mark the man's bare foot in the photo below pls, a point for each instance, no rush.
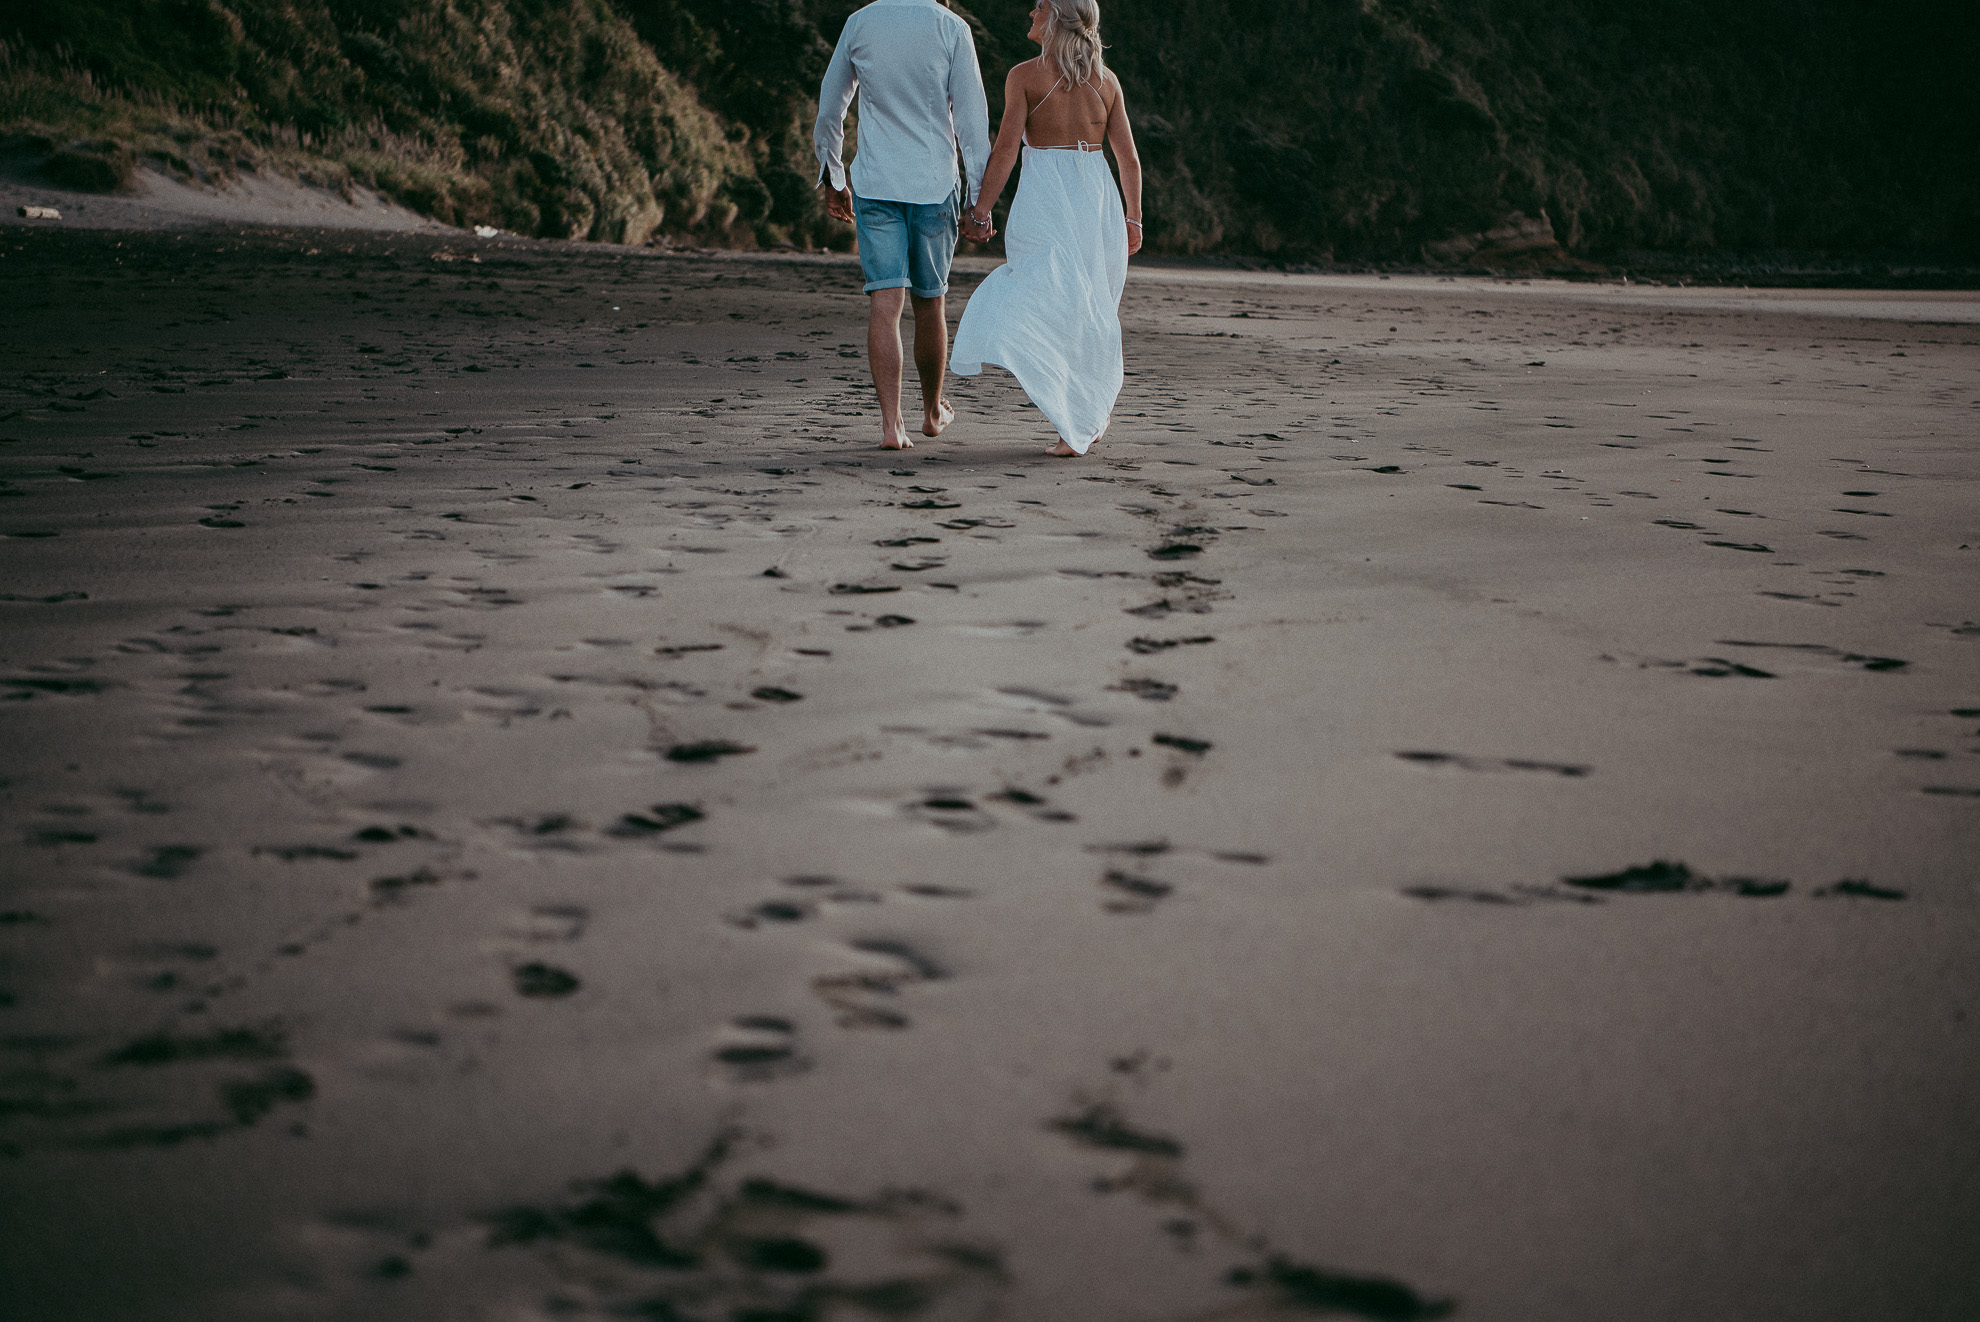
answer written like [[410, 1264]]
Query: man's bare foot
[[1063, 451], [898, 441], [934, 424]]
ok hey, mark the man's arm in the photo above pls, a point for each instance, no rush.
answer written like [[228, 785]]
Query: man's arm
[[835, 97], [971, 111]]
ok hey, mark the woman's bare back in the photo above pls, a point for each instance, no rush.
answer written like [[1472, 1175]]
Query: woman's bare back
[[1062, 116]]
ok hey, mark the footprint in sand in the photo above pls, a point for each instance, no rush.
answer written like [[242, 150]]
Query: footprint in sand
[[772, 913], [1152, 1167], [1463, 763], [1039, 808], [868, 997], [929, 891], [25, 688], [541, 981], [706, 751], [1660, 877], [1823, 651], [1443, 894], [1043, 702], [758, 1048], [952, 811], [1130, 893], [656, 820], [713, 1241], [559, 832], [1165, 606], [1156, 646], [1709, 667], [158, 1090], [1858, 889]]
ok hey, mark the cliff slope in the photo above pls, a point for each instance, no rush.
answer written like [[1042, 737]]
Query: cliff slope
[[1356, 130]]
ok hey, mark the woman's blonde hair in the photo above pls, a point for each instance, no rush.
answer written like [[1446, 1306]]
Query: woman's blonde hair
[[1072, 39]]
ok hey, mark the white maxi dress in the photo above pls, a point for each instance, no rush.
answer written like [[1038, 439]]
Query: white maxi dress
[[1051, 313]]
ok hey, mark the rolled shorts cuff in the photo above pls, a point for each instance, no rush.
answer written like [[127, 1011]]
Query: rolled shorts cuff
[[880, 285], [907, 245]]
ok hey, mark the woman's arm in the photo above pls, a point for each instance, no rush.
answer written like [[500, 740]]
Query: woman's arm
[[1120, 136], [1010, 140]]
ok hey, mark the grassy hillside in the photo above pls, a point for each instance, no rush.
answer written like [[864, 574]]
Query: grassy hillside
[[1674, 124], [1355, 130], [564, 118]]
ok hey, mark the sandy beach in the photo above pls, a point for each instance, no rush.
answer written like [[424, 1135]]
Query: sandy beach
[[514, 808]]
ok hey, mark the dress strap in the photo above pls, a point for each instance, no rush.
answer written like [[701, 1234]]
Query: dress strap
[[1082, 145], [1026, 135]]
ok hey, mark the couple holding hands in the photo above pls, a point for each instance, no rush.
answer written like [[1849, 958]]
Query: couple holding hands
[[1051, 313]]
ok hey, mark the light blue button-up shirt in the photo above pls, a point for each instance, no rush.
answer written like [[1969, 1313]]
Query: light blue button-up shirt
[[913, 65]]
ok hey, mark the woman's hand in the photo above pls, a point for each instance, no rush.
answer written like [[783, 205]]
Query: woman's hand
[[977, 231], [1134, 237]]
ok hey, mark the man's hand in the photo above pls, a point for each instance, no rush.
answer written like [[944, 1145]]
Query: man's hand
[[975, 232], [839, 202]]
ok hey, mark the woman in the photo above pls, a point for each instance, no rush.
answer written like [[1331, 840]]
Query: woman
[[1051, 313]]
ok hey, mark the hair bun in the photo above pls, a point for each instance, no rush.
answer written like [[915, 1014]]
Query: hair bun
[[1072, 40]]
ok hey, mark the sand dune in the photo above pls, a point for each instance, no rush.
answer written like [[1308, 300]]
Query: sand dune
[[156, 200], [515, 809]]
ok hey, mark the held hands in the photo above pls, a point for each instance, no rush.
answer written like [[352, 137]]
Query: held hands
[[1134, 237], [839, 202]]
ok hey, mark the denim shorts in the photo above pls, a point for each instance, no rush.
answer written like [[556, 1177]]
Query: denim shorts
[[907, 244]]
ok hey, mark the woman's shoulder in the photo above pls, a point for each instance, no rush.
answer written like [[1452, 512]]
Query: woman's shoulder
[[1107, 88], [1029, 71]]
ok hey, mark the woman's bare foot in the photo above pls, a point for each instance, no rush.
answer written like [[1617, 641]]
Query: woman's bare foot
[[1063, 451], [934, 424], [895, 438]]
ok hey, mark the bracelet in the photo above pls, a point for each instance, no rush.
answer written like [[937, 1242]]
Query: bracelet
[[1135, 223]]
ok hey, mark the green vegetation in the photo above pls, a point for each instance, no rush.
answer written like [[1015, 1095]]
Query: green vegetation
[[1351, 130], [539, 117], [1364, 129]]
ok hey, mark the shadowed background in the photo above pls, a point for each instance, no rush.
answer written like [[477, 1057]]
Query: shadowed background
[[1298, 130]]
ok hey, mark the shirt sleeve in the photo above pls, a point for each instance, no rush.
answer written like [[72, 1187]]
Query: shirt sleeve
[[971, 111], [835, 97]]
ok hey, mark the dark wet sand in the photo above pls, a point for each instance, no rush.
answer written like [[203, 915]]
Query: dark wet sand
[[512, 809]]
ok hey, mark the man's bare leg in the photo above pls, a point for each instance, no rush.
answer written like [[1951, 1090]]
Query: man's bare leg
[[883, 351], [931, 361]]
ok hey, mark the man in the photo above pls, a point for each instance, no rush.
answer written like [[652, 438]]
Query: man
[[913, 65]]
